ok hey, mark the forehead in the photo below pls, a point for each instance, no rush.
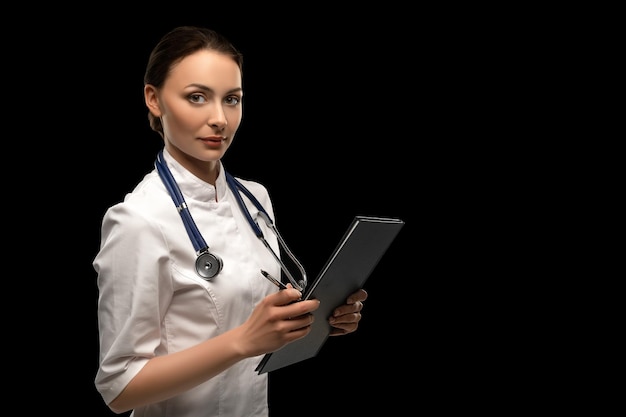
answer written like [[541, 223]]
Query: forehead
[[206, 67]]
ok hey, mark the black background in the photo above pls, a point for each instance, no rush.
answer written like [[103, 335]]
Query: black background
[[398, 111], [341, 118]]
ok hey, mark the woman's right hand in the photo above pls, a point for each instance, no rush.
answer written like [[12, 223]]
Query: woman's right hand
[[277, 320]]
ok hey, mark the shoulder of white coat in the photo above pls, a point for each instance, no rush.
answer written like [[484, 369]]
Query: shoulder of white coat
[[261, 193]]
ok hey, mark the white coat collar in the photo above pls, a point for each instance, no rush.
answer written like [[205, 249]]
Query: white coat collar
[[193, 187]]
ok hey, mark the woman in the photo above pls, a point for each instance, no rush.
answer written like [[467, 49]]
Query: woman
[[185, 313]]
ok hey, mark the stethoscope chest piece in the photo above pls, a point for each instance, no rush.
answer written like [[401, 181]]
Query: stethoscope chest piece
[[208, 265]]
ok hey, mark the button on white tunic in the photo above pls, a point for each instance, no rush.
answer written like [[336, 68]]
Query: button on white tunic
[[152, 302]]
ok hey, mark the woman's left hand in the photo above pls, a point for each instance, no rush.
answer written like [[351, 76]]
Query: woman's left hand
[[345, 318]]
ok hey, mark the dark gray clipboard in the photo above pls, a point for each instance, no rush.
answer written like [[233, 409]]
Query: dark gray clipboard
[[350, 265]]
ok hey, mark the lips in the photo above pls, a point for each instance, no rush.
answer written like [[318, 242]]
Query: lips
[[213, 142]]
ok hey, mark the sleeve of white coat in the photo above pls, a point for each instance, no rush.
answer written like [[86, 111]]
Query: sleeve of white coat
[[132, 273]]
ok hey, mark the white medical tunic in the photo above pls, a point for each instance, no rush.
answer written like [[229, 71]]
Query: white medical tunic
[[152, 302]]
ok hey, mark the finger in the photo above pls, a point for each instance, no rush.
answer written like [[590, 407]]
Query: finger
[[286, 297], [300, 322], [343, 328], [301, 308], [360, 295], [345, 309], [345, 319]]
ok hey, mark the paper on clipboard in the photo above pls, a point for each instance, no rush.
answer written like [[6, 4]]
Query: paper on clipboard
[[351, 263]]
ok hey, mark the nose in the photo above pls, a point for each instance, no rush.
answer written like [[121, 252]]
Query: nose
[[217, 119]]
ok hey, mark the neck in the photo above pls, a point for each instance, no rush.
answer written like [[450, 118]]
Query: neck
[[205, 170]]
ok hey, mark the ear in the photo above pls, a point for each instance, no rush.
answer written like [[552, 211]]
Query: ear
[[152, 100]]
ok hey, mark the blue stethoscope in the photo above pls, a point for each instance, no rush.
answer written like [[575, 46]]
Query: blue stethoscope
[[208, 265]]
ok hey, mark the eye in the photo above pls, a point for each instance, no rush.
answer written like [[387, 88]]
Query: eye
[[197, 98], [232, 100]]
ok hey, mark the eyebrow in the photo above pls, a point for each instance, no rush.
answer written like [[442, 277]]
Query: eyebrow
[[205, 88]]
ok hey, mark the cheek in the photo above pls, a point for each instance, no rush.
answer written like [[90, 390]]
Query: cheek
[[234, 118], [187, 119]]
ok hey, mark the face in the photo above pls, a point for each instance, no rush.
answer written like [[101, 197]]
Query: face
[[200, 106]]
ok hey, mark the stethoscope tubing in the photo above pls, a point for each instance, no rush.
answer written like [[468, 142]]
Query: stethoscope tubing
[[197, 240], [200, 245]]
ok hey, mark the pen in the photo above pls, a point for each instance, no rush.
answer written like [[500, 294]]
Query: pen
[[274, 280]]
